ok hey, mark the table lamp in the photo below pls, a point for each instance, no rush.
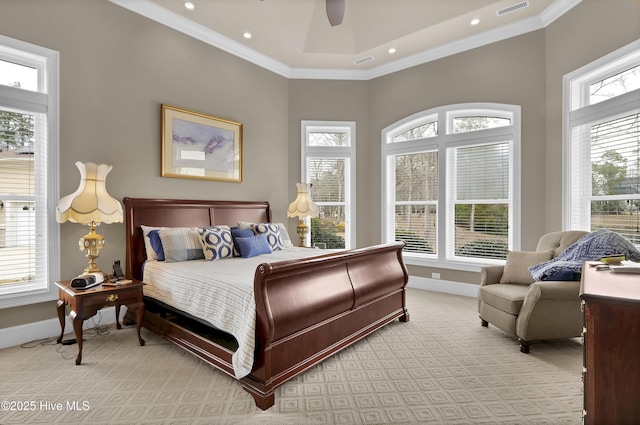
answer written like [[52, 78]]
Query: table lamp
[[90, 204], [302, 208]]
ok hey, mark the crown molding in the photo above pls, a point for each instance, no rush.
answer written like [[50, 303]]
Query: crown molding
[[557, 9], [186, 26], [161, 15], [488, 37]]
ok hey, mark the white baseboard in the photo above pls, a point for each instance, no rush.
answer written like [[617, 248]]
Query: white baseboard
[[447, 286], [21, 334]]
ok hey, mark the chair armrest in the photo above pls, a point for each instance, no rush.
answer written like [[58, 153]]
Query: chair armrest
[[490, 275], [551, 310], [554, 290]]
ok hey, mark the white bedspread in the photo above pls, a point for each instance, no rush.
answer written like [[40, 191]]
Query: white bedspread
[[220, 292]]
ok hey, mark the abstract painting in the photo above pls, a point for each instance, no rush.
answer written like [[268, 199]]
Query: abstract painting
[[199, 146]]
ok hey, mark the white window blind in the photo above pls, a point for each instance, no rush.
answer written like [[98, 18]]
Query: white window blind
[[328, 190], [28, 173], [602, 144], [328, 164], [481, 200], [19, 178], [608, 155], [416, 201], [451, 179]]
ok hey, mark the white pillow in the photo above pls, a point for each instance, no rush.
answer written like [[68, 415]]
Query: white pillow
[[284, 235], [246, 225]]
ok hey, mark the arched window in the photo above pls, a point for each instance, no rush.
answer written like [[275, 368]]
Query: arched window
[[450, 179]]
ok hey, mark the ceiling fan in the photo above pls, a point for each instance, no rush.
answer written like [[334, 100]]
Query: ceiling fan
[[335, 11]]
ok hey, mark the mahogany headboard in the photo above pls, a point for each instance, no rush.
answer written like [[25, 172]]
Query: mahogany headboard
[[181, 213]]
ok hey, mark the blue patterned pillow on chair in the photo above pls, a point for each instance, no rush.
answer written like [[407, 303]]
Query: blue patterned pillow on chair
[[272, 232], [216, 242]]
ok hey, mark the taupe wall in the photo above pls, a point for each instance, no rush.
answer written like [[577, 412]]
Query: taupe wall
[[117, 67], [324, 100], [591, 30], [511, 72]]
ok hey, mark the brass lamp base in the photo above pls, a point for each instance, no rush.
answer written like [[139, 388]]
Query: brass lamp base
[[92, 243], [302, 230]]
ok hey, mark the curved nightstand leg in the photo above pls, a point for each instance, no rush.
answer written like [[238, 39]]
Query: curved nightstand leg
[[61, 305], [118, 316], [139, 320], [77, 329]]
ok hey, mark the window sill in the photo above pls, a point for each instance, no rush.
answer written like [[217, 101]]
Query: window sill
[[452, 265], [16, 299]]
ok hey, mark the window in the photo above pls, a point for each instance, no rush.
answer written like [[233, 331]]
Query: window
[[328, 164], [449, 176], [602, 145], [28, 173]]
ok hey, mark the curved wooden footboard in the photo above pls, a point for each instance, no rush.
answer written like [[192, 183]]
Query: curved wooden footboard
[[308, 310]]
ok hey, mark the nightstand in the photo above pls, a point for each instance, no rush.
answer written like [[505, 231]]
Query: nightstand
[[85, 303]]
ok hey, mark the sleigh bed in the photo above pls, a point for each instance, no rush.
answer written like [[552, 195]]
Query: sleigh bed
[[305, 309]]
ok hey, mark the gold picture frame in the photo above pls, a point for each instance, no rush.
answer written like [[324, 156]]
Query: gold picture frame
[[200, 146]]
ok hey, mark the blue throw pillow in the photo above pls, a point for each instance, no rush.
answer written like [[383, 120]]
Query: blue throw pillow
[[239, 233], [253, 245], [156, 244]]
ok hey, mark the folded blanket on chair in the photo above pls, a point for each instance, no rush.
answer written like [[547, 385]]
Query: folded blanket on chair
[[591, 247]]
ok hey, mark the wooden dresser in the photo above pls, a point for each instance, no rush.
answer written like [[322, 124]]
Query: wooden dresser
[[611, 373]]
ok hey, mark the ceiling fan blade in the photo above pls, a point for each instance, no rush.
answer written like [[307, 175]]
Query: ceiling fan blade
[[335, 11]]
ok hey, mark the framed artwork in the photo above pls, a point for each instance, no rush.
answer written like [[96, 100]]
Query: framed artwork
[[199, 146]]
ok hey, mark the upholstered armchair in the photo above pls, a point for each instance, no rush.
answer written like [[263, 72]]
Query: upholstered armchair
[[512, 301]]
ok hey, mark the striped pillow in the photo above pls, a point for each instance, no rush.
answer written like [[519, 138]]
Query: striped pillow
[[181, 244]]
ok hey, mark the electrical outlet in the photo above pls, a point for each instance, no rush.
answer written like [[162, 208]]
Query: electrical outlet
[[435, 275]]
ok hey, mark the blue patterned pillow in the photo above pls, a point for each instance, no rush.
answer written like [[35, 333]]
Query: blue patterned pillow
[[216, 242], [272, 232], [253, 245]]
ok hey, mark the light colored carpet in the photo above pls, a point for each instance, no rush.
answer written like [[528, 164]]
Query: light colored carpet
[[442, 367]]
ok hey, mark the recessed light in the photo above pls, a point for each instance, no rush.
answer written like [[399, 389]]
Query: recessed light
[[392, 50], [475, 21], [189, 6], [247, 35]]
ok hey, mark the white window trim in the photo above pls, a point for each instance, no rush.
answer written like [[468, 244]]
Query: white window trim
[[574, 91], [348, 152], [45, 101], [444, 140]]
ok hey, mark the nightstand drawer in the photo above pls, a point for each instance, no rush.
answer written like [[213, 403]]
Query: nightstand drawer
[[124, 296]]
